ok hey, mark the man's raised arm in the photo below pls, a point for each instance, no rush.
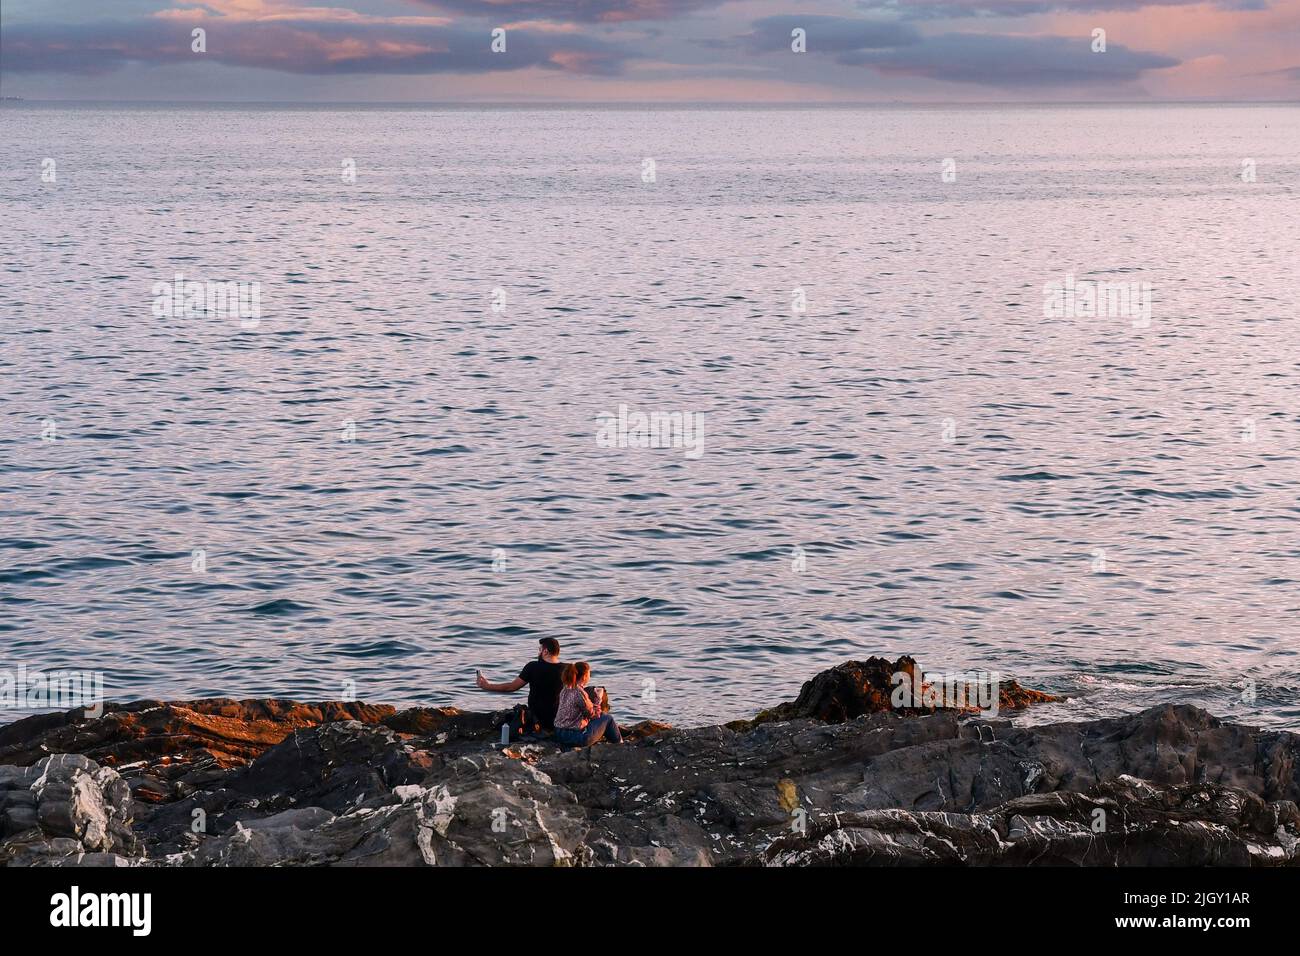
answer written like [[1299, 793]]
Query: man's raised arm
[[507, 688]]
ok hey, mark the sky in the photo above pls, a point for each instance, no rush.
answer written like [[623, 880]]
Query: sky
[[866, 51]]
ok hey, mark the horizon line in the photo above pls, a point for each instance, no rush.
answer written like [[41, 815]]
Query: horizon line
[[642, 104]]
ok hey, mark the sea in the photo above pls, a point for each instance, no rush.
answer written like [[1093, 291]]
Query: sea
[[718, 397]]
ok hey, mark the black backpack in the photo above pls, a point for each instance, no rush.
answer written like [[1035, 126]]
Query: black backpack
[[523, 723]]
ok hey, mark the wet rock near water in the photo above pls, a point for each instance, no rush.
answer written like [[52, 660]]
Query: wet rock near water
[[167, 747], [833, 778], [855, 688]]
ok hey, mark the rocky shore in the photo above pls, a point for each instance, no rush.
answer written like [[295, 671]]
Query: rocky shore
[[837, 776]]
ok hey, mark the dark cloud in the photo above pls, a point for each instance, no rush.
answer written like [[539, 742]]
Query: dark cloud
[[830, 34], [574, 11], [316, 47], [895, 47], [1012, 61]]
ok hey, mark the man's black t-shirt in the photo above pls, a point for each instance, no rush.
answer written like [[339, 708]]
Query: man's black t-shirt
[[543, 680]]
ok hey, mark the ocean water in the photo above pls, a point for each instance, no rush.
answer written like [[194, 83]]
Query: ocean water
[[917, 461]]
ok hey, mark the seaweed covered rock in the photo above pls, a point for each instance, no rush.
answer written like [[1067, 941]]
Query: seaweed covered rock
[[877, 685]]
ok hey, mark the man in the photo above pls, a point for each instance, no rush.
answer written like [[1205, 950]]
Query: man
[[543, 679]]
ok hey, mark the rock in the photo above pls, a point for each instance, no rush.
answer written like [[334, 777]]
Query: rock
[[168, 740], [64, 806], [855, 688], [1123, 823], [429, 721], [850, 690], [332, 766], [496, 811], [644, 730], [834, 777]]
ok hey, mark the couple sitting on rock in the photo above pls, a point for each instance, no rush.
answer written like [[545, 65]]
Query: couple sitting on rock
[[559, 699]]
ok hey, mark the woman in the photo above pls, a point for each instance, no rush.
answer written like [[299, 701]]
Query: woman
[[578, 722]]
